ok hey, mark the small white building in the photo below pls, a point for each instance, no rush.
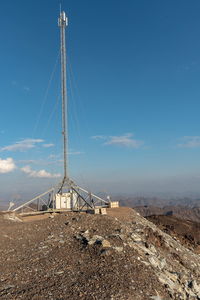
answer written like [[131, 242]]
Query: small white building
[[66, 201], [114, 204]]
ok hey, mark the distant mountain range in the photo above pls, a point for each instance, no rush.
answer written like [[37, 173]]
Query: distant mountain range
[[158, 201], [181, 212], [182, 208]]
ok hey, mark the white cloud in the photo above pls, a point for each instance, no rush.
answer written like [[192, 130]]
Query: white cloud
[[98, 137], [75, 152], [29, 161], [22, 145], [7, 165], [39, 174], [59, 157], [47, 145], [125, 140], [44, 162], [190, 142]]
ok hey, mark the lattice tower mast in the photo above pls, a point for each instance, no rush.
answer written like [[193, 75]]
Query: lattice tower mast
[[79, 197], [62, 23]]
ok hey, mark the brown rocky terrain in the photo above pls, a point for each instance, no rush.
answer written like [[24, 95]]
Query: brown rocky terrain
[[81, 256], [181, 212], [186, 231]]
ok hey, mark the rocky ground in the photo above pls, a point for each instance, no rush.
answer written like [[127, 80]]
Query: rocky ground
[[186, 231], [81, 256]]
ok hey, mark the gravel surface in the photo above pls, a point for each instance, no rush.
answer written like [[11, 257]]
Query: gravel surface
[[82, 256]]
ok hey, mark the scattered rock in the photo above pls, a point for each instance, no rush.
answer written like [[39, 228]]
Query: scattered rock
[[59, 272], [105, 244], [124, 258], [12, 217], [118, 249]]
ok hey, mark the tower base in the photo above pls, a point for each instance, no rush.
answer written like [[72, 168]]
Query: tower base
[[66, 196]]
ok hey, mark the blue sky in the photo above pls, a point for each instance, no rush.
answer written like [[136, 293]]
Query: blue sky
[[133, 93]]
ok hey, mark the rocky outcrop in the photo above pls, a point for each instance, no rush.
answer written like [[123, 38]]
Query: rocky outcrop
[[177, 268]]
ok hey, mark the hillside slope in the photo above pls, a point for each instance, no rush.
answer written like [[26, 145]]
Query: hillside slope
[[80, 256], [186, 231]]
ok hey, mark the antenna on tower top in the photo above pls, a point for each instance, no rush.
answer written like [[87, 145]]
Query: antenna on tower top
[[60, 8]]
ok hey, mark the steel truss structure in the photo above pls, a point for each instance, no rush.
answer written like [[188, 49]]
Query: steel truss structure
[[46, 201], [83, 199]]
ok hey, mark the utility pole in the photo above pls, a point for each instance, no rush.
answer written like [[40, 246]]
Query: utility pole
[[62, 23]]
